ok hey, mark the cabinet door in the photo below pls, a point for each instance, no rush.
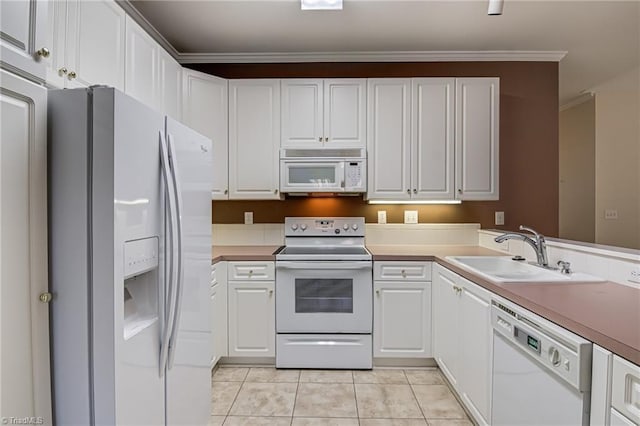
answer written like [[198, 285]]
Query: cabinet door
[[205, 109], [345, 113], [141, 72], [254, 139], [302, 113], [476, 343], [477, 127], [433, 138], [95, 45], [402, 319], [170, 84], [446, 322], [252, 330], [22, 35], [388, 138], [25, 385], [219, 322], [56, 43]]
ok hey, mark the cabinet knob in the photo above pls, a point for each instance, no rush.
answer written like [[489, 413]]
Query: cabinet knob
[[459, 191], [270, 293], [403, 273], [251, 272], [43, 52], [378, 292], [226, 191], [415, 191], [326, 139], [72, 75], [320, 139], [409, 191], [275, 191], [63, 71], [45, 297]]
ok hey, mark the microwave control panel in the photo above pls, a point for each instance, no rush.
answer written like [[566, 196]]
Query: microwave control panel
[[354, 175]]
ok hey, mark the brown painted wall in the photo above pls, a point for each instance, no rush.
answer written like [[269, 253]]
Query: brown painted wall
[[528, 144]]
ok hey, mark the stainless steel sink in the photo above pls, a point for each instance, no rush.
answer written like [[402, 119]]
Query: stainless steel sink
[[504, 269]]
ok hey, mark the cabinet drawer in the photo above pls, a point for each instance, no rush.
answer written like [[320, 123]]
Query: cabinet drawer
[[625, 389], [259, 271], [402, 271]]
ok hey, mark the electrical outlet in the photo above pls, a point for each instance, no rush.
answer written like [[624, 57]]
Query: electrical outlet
[[634, 277], [611, 214], [499, 218], [411, 216], [382, 216], [248, 218]]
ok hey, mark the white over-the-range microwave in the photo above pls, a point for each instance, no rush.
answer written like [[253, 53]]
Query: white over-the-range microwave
[[305, 170]]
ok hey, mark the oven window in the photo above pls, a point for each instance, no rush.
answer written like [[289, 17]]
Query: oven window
[[318, 295], [321, 175]]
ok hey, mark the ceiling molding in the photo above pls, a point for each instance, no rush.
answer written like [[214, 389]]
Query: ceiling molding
[[150, 29], [582, 98], [399, 56]]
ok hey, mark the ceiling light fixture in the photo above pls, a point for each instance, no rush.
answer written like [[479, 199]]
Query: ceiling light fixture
[[495, 7], [321, 4]]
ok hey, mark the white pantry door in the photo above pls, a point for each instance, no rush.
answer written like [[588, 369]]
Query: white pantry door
[[25, 384]]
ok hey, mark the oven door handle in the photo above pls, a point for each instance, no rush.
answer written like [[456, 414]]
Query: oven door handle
[[320, 265]]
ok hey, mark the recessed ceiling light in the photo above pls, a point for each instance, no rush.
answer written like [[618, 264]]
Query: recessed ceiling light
[[495, 7], [321, 4]]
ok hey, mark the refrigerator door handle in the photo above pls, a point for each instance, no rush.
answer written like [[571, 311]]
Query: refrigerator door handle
[[169, 288], [175, 175]]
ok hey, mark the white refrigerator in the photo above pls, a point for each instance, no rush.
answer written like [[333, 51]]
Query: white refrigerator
[[129, 260]]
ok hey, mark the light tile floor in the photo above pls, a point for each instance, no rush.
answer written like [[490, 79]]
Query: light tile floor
[[380, 397]]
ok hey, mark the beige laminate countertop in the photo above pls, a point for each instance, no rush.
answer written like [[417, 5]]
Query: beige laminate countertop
[[605, 313]]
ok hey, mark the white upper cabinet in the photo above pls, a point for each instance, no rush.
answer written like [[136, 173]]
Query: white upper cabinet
[[324, 113], [88, 40], [388, 138], [432, 138], [170, 85], [152, 76], [302, 113], [205, 109], [254, 139], [23, 45], [411, 138], [477, 127], [142, 61]]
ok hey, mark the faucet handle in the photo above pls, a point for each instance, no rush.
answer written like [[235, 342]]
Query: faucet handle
[[533, 231]]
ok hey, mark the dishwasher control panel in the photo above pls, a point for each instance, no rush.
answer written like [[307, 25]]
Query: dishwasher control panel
[[564, 353]]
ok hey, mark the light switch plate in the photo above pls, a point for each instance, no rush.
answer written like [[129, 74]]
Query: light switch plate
[[610, 214], [382, 216], [248, 218], [411, 216], [499, 218]]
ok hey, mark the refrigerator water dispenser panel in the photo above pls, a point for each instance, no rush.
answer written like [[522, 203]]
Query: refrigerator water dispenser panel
[[140, 256]]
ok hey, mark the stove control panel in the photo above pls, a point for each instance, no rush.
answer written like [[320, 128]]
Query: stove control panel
[[324, 226]]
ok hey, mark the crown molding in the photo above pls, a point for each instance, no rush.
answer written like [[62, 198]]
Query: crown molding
[[150, 29], [580, 99], [399, 56]]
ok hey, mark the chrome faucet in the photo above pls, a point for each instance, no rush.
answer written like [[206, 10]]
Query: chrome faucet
[[537, 242]]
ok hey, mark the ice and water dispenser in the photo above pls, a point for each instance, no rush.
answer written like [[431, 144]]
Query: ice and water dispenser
[[140, 285]]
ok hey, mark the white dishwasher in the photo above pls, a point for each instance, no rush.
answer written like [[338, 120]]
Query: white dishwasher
[[541, 372]]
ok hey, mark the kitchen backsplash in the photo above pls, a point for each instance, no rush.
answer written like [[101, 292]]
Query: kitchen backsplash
[[423, 233]]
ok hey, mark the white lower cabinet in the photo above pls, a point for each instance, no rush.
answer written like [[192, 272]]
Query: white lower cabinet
[[463, 339], [402, 310], [252, 315], [219, 326]]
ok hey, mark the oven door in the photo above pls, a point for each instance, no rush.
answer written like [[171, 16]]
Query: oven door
[[311, 176], [324, 297]]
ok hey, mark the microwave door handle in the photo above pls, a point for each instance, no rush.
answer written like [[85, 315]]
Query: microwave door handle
[[342, 174]]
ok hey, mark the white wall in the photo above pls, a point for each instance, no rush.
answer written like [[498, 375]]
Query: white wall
[[618, 160]]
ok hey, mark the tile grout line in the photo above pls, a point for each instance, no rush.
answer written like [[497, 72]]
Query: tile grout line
[[355, 396], [415, 397]]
